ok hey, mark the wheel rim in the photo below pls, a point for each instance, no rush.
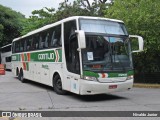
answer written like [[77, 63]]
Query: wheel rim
[[59, 84]]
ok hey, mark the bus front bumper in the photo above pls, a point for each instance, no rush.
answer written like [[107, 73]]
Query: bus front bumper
[[92, 87]]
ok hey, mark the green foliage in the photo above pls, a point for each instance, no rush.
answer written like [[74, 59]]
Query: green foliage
[[38, 19], [142, 17], [10, 25], [46, 15]]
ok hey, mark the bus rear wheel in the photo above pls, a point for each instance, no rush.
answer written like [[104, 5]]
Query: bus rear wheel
[[17, 72], [57, 85], [21, 78]]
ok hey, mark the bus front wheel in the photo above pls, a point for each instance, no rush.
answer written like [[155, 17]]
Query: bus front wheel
[[57, 85]]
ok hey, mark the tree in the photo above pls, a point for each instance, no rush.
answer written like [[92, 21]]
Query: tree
[[96, 7], [38, 19], [142, 18], [66, 9], [46, 15], [10, 25]]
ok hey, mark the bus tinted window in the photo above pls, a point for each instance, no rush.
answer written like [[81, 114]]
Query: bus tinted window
[[71, 46], [56, 36], [25, 45], [36, 41], [22, 45], [8, 59], [49, 38], [17, 46], [13, 47], [6, 49]]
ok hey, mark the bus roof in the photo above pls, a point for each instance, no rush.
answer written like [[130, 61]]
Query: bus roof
[[64, 20], [6, 46]]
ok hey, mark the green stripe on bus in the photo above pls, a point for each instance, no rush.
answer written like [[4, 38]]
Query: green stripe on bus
[[16, 57], [130, 72], [91, 74], [60, 55], [25, 57], [27, 66], [43, 56], [117, 75], [110, 75]]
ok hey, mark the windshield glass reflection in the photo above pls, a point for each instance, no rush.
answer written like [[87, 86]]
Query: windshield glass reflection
[[104, 53]]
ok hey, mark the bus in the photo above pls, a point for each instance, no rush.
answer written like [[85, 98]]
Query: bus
[[80, 54], [5, 56]]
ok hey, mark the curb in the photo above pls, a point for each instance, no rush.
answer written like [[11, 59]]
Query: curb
[[145, 85]]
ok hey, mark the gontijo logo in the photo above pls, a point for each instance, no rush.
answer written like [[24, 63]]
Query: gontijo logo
[[46, 56], [49, 56]]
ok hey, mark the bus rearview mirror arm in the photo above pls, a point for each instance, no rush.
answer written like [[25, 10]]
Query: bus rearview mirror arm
[[81, 39], [140, 42]]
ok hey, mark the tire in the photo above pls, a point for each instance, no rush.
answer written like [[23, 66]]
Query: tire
[[17, 72], [20, 77], [57, 85]]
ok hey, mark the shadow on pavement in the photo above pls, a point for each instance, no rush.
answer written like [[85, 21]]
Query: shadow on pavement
[[95, 98], [85, 98]]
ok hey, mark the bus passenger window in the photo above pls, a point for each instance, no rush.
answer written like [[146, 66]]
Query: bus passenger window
[[58, 36], [28, 45], [13, 47], [52, 39], [55, 33], [40, 43], [21, 45], [31, 44], [17, 46], [46, 41], [25, 45], [35, 42]]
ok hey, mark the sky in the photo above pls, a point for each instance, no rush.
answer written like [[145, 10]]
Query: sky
[[27, 6]]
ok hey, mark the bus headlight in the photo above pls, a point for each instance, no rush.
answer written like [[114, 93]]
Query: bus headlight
[[90, 78], [129, 77]]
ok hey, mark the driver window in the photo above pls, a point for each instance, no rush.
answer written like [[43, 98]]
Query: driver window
[[71, 46]]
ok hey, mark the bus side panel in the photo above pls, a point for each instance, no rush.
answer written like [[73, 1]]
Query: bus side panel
[[44, 68], [14, 68], [37, 71], [56, 68]]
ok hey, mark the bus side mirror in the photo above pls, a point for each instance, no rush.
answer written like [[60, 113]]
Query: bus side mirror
[[81, 39], [140, 43]]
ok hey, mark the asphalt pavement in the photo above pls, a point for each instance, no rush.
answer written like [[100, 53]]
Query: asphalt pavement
[[31, 96]]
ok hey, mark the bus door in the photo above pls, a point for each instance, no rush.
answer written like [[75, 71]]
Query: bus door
[[72, 73], [74, 64]]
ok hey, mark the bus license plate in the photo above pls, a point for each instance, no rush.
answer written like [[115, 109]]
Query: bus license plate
[[112, 86]]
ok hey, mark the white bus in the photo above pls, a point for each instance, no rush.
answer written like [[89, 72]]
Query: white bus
[[5, 56], [83, 55]]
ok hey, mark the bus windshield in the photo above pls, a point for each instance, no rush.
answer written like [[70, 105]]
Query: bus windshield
[[102, 26], [107, 46], [106, 53]]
